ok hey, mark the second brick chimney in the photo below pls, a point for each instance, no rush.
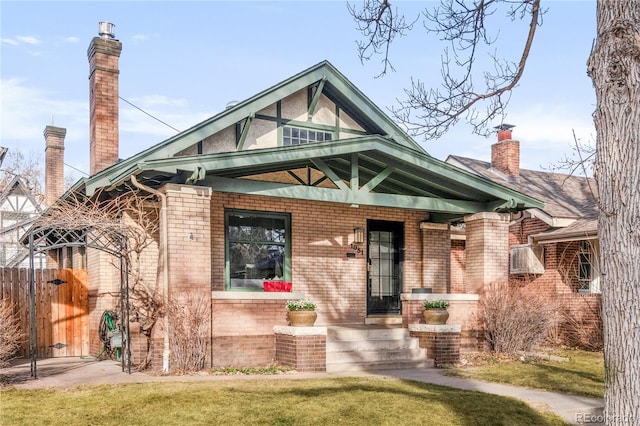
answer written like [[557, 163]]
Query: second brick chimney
[[54, 163], [104, 55], [505, 154]]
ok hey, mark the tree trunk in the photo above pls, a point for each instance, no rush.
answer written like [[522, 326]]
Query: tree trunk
[[614, 67]]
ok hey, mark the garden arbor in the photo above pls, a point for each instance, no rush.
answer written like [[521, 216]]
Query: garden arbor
[[73, 226]]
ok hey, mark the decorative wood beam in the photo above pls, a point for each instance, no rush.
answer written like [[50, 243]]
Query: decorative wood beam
[[377, 180], [296, 177], [355, 173], [316, 98], [245, 132], [275, 189], [319, 181], [330, 174]]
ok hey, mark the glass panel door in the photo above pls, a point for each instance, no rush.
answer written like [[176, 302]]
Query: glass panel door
[[384, 269]]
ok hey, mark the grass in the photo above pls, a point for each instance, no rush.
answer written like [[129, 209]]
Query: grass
[[274, 369], [348, 401], [582, 374]]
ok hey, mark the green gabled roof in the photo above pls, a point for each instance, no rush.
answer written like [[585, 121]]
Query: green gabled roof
[[384, 168], [336, 86]]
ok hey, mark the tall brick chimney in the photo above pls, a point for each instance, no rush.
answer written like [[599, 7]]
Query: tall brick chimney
[[505, 154], [54, 163], [104, 54]]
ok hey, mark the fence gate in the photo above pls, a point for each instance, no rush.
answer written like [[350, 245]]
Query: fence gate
[[62, 322]]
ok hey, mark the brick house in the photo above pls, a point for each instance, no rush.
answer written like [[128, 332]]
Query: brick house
[[20, 204], [306, 182], [553, 250]]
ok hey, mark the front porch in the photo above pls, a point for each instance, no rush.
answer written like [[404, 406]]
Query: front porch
[[250, 329]]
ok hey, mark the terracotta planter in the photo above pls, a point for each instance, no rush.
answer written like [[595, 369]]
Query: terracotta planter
[[435, 316], [302, 317]]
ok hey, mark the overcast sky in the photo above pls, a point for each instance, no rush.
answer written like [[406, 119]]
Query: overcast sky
[[184, 61]]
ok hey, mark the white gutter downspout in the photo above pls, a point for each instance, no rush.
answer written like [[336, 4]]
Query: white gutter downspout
[[165, 269]]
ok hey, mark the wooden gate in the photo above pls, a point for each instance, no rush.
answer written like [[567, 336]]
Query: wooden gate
[[62, 309]]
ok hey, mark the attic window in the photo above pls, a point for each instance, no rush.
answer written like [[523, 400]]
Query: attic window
[[526, 259], [300, 136]]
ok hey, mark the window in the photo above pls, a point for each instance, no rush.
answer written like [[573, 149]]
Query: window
[[526, 259], [588, 274], [257, 249], [299, 136]]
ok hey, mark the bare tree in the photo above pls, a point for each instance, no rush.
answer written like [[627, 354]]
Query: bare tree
[[614, 66], [28, 167]]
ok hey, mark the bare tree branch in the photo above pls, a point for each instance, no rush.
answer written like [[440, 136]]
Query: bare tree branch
[[430, 112], [379, 24]]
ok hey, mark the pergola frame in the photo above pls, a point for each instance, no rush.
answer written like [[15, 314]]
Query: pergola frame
[[42, 239]]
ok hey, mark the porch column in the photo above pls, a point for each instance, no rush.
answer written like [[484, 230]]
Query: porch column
[[436, 257], [487, 250], [189, 244]]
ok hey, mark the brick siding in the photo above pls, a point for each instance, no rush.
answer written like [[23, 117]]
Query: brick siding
[[442, 347], [580, 317], [303, 353]]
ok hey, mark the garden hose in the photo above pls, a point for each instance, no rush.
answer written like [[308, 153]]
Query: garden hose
[[105, 331]]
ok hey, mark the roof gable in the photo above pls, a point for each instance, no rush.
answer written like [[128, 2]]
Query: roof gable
[[353, 153], [17, 197], [323, 81]]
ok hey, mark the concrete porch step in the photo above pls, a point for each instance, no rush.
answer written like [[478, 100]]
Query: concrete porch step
[[369, 366], [377, 347], [371, 345], [380, 355], [366, 332]]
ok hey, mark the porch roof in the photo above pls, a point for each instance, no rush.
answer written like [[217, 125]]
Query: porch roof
[[370, 170], [581, 229]]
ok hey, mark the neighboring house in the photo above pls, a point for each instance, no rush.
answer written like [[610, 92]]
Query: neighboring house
[[306, 182], [18, 208], [553, 250]]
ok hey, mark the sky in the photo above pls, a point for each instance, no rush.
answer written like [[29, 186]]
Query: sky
[[183, 62]]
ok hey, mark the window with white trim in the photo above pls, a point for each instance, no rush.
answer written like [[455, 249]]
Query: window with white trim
[[300, 136], [588, 271]]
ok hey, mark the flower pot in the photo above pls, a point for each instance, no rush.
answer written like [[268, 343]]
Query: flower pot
[[302, 317], [435, 316]]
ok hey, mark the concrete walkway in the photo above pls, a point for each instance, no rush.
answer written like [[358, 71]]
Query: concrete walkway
[[71, 372], [573, 409]]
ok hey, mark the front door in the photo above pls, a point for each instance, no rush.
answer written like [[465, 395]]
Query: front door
[[384, 269]]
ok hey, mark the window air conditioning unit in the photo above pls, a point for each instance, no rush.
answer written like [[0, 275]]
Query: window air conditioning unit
[[526, 259]]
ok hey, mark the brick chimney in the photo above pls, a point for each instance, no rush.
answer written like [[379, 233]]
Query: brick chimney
[[104, 54], [54, 163], [505, 154]]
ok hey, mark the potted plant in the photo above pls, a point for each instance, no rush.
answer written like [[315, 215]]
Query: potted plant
[[435, 311], [301, 313]]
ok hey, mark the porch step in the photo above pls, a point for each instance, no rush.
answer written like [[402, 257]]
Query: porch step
[[365, 347]]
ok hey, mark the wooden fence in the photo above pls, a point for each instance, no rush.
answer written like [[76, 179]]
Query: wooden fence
[[62, 310]]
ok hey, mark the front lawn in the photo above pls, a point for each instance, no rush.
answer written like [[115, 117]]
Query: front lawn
[[349, 401], [582, 374]]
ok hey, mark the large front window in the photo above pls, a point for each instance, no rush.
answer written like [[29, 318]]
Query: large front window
[[258, 247], [588, 274]]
